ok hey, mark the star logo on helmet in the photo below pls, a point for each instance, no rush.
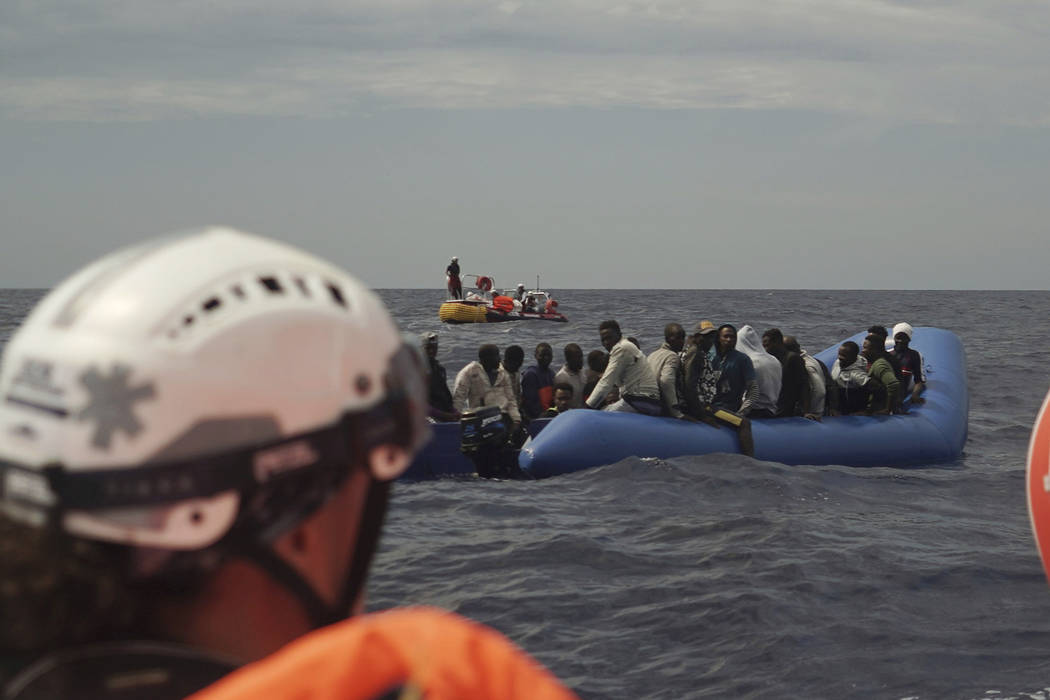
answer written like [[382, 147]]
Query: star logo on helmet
[[111, 403]]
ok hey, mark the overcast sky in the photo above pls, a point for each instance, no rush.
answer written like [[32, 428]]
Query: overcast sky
[[659, 143]]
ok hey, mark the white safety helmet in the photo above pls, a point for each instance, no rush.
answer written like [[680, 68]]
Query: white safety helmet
[[455, 259], [200, 385]]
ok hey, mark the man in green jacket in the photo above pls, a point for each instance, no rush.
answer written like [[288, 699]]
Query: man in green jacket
[[885, 389]]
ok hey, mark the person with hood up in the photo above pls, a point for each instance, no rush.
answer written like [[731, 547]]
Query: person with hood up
[[768, 373], [913, 378]]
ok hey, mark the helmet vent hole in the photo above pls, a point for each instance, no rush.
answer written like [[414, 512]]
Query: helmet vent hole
[[238, 291], [196, 517], [301, 284], [272, 285], [337, 294], [212, 304], [362, 383], [188, 320]]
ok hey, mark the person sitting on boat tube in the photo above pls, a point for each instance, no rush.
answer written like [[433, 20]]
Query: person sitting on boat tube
[[667, 366], [699, 381], [737, 386], [629, 372], [890, 357], [768, 373], [439, 397], [823, 394], [885, 396], [455, 285], [484, 383], [910, 361], [795, 398]]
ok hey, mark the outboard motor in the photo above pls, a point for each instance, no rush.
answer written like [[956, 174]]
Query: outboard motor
[[483, 438], [481, 428]]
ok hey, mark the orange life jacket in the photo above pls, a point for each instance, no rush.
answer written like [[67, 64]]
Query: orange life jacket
[[503, 303], [433, 653], [546, 396]]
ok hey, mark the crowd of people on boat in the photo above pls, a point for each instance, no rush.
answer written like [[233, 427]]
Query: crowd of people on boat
[[719, 375], [517, 299]]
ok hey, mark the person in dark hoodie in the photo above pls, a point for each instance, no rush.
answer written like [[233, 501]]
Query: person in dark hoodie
[[440, 398], [537, 383], [823, 392], [794, 398]]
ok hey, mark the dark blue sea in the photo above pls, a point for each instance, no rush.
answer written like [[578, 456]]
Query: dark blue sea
[[725, 577]]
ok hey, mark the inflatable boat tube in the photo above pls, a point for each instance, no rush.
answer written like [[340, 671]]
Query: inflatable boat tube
[[934, 431]]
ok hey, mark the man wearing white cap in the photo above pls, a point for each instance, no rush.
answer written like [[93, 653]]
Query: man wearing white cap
[[910, 362]]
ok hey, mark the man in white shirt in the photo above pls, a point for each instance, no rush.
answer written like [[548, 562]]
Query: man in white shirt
[[629, 372], [484, 383], [572, 374], [667, 366]]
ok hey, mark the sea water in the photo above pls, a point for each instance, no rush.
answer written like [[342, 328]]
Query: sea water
[[725, 577]]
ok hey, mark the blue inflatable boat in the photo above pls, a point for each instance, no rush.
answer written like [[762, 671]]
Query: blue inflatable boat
[[934, 431]]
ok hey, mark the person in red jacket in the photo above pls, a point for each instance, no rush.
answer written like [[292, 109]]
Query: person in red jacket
[[200, 433]]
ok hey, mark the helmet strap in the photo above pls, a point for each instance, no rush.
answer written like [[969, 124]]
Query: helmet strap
[[317, 610]]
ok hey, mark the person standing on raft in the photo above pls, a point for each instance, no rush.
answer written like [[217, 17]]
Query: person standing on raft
[[455, 286]]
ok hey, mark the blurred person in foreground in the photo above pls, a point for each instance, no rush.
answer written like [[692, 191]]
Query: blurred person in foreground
[[198, 440]]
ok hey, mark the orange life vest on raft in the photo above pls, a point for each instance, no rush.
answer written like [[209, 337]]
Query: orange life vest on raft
[[438, 653], [502, 303], [550, 307]]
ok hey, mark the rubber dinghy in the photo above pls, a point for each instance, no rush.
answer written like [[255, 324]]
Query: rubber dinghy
[[931, 432]]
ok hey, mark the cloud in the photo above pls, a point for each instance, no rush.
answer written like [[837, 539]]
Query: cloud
[[934, 62]]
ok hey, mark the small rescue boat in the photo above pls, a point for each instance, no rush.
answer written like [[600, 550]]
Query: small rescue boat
[[484, 304]]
